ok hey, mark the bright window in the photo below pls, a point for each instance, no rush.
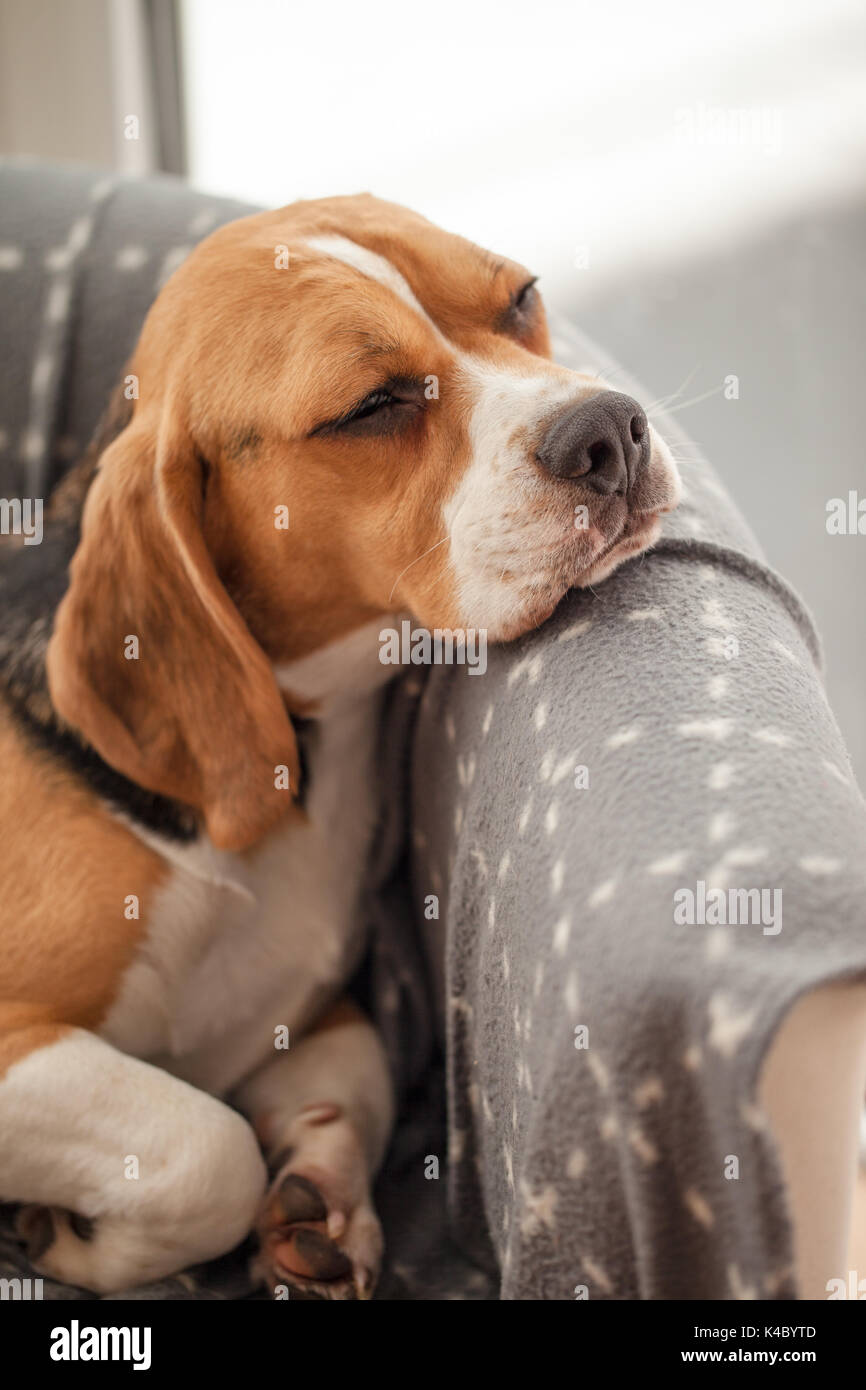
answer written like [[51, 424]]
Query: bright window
[[622, 132]]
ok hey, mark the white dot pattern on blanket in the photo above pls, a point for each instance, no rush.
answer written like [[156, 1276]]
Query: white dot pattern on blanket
[[718, 742], [753, 1116], [597, 1274], [718, 942], [610, 1127], [557, 875], [623, 737], [727, 1027], [539, 1208], [171, 261], [548, 763], [718, 730], [651, 1091], [835, 771], [60, 264], [41, 374], [773, 736], [564, 768], [576, 1166], [599, 1071], [785, 652], [509, 1163], [643, 1147], [693, 1058], [101, 189], [720, 776], [645, 615], [722, 824], [669, 864], [32, 444], [57, 303], [576, 630], [203, 222], [561, 934], [820, 864], [740, 1291], [699, 1207], [602, 893], [131, 258], [465, 769]]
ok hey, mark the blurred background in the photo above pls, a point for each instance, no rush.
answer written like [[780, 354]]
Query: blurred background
[[687, 180]]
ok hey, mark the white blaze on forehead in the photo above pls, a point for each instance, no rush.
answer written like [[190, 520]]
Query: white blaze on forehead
[[371, 264]]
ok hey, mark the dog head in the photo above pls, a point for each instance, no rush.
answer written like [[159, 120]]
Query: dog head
[[339, 411]]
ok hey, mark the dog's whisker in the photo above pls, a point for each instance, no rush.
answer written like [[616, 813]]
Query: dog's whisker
[[664, 400], [415, 562], [705, 395]]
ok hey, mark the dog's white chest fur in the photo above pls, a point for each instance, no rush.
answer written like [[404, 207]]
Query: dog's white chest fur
[[240, 946]]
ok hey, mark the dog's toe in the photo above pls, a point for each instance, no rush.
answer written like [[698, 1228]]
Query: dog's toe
[[314, 1243]]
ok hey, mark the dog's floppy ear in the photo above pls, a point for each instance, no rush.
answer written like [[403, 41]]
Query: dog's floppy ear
[[151, 661]]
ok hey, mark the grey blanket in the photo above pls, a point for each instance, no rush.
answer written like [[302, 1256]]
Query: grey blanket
[[538, 903]]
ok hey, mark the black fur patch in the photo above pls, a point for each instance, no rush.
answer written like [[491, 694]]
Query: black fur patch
[[157, 813]]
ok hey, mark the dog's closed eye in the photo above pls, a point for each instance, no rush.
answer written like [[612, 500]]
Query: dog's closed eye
[[384, 410], [520, 313]]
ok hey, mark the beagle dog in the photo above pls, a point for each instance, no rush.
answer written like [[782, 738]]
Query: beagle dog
[[338, 413]]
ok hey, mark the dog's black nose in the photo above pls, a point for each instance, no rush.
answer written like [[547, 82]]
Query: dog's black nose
[[604, 442]]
